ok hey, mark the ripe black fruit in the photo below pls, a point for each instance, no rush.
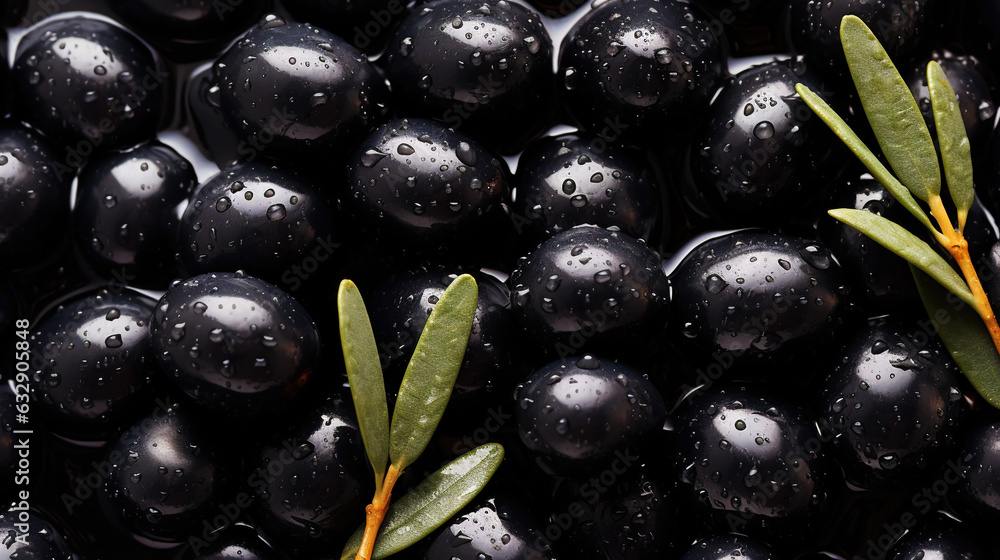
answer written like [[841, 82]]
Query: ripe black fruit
[[495, 526], [40, 542], [125, 212], [978, 492], [640, 69], [239, 542], [589, 288], [575, 413], [729, 547], [233, 343], [96, 369]]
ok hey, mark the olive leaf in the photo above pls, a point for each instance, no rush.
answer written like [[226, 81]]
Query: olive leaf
[[956, 152], [897, 239], [432, 502], [364, 373], [430, 375], [891, 109], [964, 334], [869, 159]]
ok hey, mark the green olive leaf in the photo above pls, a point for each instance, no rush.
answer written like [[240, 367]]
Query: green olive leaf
[[432, 502], [430, 375], [869, 159], [894, 237], [956, 152], [891, 109], [964, 334], [364, 374]]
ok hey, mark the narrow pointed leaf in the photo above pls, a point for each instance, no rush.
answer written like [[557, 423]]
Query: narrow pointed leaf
[[964, 334], [430, 375], [364, 373], [956, 152], [903, 243], [891, 109], [851, 139], [432, 502]]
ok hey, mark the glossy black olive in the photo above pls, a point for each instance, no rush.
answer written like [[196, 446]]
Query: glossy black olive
[[400, 311], [294, 91], [641, 70], [125, 213], [945, 541], [473, 64], [978, 492], [169, 473], [496, 526], [189, 29], [258, 217], [754, 463], [577, 178], [751, 296], [34, 198], [239, 542], [234, 343], [730, 547], [94, 369], [891, 364], [41, 541], [590, 289], [88, 85], [420, 187], [312, 479], [578, 412], [763, 158]]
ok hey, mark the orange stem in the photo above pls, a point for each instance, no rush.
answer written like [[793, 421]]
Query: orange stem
[[375, 513]]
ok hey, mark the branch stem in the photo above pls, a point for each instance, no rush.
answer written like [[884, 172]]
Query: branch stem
[[375, 513]]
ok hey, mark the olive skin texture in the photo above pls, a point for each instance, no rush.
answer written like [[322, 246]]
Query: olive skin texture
[[125, 212], [940, 540], [96, 369], [318, 497], [590, 289], [495, 525], [978, 493], [756, 298], [473, 64], [233, 343], [751, 460], [258, 217], [419, 187], [40, 542], [169, 473], [34, 197], [399, 313], [189, 30], [729, 547], [239, 542], [296, 92], [117, 89], [577, 178], [891, 364], [575, 413], [763, 157], [640, 70]]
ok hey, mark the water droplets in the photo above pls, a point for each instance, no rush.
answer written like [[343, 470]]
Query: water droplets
[[113, 341], [763, 130], [223, 204], [715, 284], [562, 426], [276, 212], [466, 154], [615, 47], [371, 157], [569, 186], [110, 201], [405, 150]]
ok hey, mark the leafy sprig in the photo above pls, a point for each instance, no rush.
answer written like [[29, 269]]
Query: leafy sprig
[[972, 335], [424, 393]]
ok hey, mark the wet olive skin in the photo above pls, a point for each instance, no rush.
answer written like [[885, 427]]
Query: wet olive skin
[[318, 497], [891, 364], [577, 178], [34, 198], [978, 493], [169, 473], [42, 541], [416, 185], [730, 547], [239, 542], [589, 288], [118, 89], [763, 157], [233, 343], [640, 70], [189, 29], [494, 525], [472, 65], [400, 311], [97, 369], [754, 296], [125, 212], [941, 540], [296, 92], [258, 217], [752, 459], [574, 413]]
